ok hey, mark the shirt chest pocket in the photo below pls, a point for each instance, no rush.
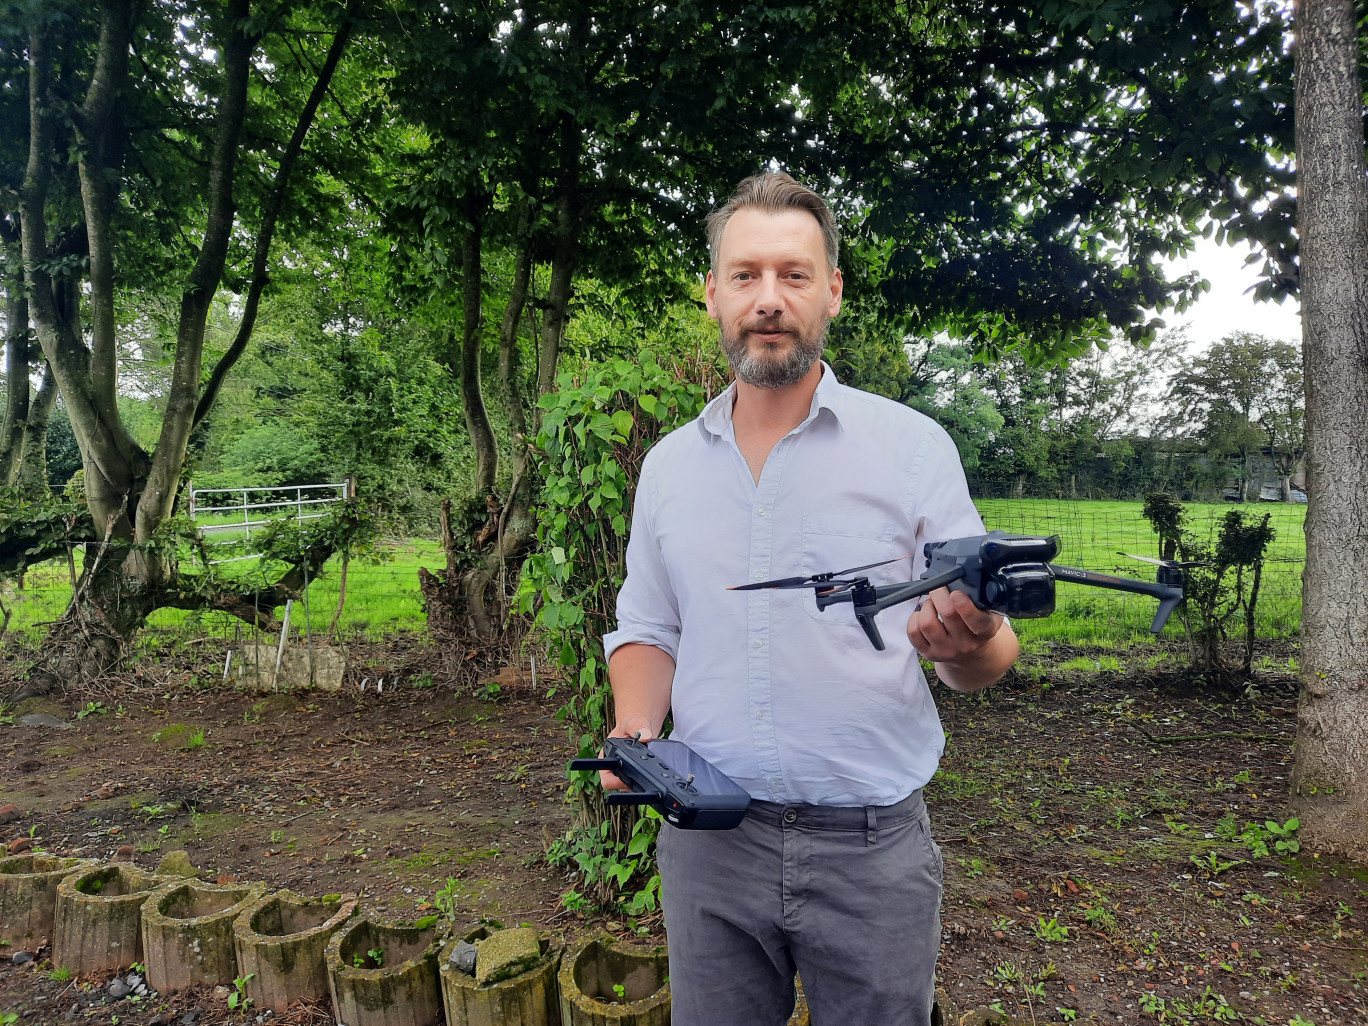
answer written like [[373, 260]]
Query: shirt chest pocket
[[835, 543]]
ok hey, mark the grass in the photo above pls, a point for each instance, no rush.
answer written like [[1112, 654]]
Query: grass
[[383, 597]]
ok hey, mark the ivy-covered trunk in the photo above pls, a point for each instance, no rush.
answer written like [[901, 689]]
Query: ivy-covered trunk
[[107, 608], [596, 430]]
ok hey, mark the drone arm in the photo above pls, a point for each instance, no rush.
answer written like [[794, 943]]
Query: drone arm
[[891, 594], [1168, 596]]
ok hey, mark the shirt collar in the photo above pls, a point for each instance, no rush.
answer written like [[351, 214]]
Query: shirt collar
[[830, 395]]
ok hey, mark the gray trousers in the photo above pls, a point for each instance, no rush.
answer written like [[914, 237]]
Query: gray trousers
[[847, 898]]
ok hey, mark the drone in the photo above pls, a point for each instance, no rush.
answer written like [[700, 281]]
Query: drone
[[1006, 573]]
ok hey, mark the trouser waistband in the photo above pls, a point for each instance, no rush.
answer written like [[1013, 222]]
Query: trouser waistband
[[838, 817]]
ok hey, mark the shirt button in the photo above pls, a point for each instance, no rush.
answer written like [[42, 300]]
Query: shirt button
[[774, 782], [790, 815], [757, 642], [761, 511], [759, 577]]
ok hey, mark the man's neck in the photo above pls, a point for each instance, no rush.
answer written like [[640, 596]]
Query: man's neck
[[774, 411]]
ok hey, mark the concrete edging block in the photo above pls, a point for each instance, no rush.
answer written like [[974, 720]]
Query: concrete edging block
[[402, 989], [281, 942], [28, 895], [528, 999], [187, 933], [99, 917], [589, 974]]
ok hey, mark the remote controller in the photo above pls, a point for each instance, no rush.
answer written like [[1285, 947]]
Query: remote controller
[[680, 784]]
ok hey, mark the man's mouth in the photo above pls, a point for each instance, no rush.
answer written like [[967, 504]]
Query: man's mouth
[[768, 334]]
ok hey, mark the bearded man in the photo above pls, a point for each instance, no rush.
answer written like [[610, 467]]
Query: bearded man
[[833, 873]]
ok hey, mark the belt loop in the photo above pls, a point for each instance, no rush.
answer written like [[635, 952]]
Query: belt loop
[[871, 827]]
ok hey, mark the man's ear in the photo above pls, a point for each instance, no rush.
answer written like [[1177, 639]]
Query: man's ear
[[837, 288], [710, 295]]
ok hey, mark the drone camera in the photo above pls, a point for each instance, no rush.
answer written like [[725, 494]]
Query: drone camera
[[1023, 592]]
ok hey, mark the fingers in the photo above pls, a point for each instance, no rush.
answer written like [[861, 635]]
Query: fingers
[[949, 626], [642, 732]]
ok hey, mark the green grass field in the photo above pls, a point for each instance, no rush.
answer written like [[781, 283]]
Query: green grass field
[[383, 598]]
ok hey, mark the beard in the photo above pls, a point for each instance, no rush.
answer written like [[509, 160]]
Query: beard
[[767, 369]]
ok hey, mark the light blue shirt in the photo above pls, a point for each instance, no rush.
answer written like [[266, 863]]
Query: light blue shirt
[[793, 704]]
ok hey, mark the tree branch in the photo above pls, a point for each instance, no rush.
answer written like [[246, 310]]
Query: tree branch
[[267, 229], [159, 492]]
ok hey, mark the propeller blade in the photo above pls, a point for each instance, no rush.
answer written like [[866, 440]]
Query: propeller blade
[[1144, 559], [1175, 564], [784, 582], [870, 566]]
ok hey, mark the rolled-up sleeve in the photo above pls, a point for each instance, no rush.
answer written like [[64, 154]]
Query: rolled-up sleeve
[[647, 609]]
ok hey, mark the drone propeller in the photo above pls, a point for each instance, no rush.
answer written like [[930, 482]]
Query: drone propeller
[[822, 582], [1173, 564]]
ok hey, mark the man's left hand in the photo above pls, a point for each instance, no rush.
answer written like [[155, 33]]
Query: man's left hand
[[949, 628]]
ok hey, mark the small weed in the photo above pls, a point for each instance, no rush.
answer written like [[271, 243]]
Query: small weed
[[60, 974], [377, 956], [973, 867], [444, 901], [1050, 930], [1001, 924], [238, 998], [1101, 918], [1213, 866], [92, 709], [277, 836], [194, 740], [621, 991], [488, 691]]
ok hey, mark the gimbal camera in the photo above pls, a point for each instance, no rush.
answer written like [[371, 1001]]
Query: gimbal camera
[[1006, 573]]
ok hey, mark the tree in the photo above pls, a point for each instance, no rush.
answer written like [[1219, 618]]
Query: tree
[[1330, 771], [1243, 397], [174, 112], [592, 139]]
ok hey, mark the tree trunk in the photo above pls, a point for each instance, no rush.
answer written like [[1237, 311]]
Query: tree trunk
[[17, 366], [1330, 772], [31, 476], [467, 361], [106, 609]]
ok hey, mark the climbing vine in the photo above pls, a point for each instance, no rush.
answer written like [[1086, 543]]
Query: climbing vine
[[595, 432]]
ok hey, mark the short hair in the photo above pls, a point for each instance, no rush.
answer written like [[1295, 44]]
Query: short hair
[[775, 192]]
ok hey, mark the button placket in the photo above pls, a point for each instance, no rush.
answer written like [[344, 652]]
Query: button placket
[[759, 670]]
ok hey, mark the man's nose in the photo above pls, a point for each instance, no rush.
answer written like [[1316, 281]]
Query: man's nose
[[769, 298]]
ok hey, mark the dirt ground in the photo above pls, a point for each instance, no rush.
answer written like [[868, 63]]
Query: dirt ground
[[1093, 872]]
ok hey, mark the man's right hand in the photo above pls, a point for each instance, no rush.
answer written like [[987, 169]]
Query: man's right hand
[[627, 728]]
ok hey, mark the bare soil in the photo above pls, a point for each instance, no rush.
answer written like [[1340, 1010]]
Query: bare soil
[[1089, 873]]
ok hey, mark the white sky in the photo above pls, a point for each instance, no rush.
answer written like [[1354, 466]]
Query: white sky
[[1227, 307]]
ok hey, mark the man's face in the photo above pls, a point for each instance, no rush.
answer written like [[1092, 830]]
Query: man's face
[[772, 295]]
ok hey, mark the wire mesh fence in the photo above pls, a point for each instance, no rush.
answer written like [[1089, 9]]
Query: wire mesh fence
[[1103, 536], [382, 598]]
